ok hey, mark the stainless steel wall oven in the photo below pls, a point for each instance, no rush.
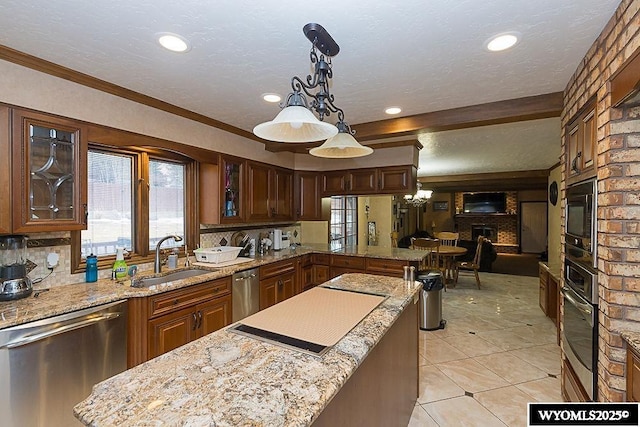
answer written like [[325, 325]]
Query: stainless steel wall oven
[[580, 291], [580, 326], [581, 224]]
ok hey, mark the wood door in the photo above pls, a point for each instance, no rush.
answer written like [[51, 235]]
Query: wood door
[[308, 202], [259, 190], [307, 277], [232, 193], [213, 315], [334, 183], [363, 181], [49, 173], [282, 203], [268, 292], [397, 179], [171, 331], [574, 165], [320, 274], [589, 139], [633, 376], [208, 193], [533, 227], [286, 286], [5, 170]]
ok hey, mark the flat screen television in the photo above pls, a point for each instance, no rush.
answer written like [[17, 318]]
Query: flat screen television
[[484, 202]]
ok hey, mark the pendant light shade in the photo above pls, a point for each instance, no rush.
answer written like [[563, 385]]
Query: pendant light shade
[[341, 146], [295, 124]]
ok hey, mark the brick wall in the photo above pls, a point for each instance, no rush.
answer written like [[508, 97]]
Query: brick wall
[[618, 140], [505, 225]]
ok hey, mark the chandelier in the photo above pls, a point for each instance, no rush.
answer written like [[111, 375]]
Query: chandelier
[[296, 122], [420, 198]]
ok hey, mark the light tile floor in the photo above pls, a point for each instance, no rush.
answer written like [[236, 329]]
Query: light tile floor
[[497, 353]]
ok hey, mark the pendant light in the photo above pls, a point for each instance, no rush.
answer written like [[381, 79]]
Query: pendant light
[[341, 146], [296, 123]]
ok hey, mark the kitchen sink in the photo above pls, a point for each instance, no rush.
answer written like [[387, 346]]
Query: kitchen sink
[[146, 282]]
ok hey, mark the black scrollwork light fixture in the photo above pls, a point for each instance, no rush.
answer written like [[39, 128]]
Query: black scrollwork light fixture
[[297, 123]]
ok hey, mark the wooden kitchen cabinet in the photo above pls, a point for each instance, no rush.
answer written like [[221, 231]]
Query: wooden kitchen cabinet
[[281, 200], [270, 193], [308, 202], [259, 191], [581, 134], [232, 197], [162, 322], [305, 273], [633, 375], [362, 181], [342, 264], [548, 293], [371, 181], [209, 193], [397, 179], [543, 290], [277, 282], [5, 170], [387, 267], [49, 170]]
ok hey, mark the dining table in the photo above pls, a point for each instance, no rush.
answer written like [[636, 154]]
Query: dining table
[[449, 254]]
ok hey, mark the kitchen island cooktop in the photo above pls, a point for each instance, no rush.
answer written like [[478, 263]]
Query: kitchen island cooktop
[[230, 379]]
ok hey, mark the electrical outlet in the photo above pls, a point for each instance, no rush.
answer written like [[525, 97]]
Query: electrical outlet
[[52, 260]]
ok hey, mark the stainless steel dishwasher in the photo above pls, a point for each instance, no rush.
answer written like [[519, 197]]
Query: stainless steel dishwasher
[[50, 365], [245, 294]]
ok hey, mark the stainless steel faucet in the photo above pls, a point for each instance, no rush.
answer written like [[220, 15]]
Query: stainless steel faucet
[[157, 264]]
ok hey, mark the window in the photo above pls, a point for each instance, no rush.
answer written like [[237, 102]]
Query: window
[[344, 221], [166, 202], [134, 200], [110, 203]]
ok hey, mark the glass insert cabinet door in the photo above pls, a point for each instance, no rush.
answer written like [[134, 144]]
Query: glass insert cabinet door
[[231, 183], [52, 189]]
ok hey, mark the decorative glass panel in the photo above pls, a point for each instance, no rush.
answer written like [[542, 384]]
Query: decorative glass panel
[[51, 178], [110, 204], [231, 206]]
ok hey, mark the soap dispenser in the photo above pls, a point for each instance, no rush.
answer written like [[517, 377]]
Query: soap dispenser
[[120, 266]]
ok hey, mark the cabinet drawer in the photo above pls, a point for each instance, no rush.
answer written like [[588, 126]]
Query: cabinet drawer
[[277, 268], [323, 259], [181, 298], [348, 261], [391, 267]]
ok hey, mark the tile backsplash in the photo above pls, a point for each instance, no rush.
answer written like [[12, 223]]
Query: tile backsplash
[[61, 274]]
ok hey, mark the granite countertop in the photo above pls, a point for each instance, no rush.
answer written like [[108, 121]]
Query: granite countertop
[[67, 298], [552, 268], [632, 338], [227, 379]]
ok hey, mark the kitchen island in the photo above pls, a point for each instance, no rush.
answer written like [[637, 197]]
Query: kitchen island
[[370, 376]]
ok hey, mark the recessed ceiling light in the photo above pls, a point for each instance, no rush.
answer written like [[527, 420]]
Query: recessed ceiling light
[[393, 110], [271, 97], [502, 41], [173, 42]]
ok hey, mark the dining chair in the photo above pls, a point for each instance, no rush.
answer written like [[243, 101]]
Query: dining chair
[[448, 238], [432, 260], [473, 265], [394, 239]]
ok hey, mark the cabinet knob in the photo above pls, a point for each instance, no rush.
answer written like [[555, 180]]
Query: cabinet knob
[[175, 301]]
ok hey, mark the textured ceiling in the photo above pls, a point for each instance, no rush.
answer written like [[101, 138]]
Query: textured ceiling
[[421, 55]]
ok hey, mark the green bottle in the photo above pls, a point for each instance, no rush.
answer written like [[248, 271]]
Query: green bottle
[[120, 266]]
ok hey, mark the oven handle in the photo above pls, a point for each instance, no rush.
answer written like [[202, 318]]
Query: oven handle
[[568, 294]]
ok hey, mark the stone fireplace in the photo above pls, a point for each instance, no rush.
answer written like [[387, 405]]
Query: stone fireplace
[[485, 230]]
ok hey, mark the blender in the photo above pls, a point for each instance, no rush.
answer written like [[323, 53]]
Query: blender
[[14, 283]]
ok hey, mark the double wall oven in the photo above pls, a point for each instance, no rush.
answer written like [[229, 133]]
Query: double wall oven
[[580, 291]]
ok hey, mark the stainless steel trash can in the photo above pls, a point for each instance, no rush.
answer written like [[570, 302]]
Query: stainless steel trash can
[[431, 300]]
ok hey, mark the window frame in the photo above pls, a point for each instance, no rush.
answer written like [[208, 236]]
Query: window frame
[[343, 224], [141, 252]]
